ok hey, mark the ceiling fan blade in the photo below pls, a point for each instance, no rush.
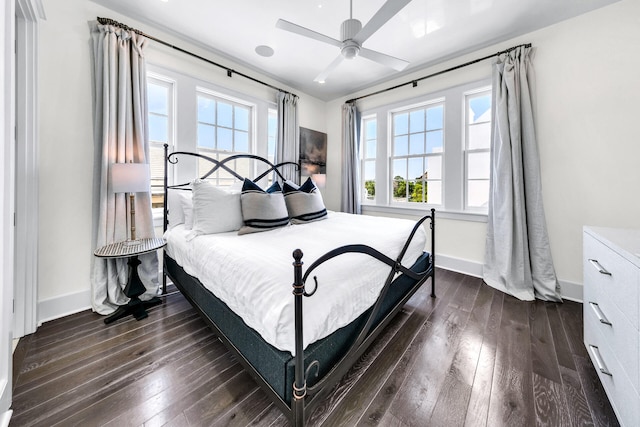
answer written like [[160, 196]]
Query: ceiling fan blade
[[324, 74], [386, 12], [390, 61], [295, 28]]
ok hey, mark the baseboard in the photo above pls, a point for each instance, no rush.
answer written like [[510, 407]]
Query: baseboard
[[568, 290], [571, 291], [64, 305], [470, 268]]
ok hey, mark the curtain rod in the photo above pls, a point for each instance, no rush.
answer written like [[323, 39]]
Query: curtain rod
[[415, 81], [230, 71]]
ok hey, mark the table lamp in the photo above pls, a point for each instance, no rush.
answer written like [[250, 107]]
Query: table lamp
[[130, 178]]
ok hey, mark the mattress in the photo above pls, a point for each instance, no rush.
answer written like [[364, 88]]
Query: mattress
[[252, 274]]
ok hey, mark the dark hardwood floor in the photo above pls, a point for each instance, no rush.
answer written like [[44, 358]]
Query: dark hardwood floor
[[472, 357]]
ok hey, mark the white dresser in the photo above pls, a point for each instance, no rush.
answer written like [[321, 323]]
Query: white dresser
[[612, 314]]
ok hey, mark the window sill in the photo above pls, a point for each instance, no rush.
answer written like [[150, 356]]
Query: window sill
[[440, 213]]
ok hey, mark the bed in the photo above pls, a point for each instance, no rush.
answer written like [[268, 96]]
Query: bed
[[296, 329]]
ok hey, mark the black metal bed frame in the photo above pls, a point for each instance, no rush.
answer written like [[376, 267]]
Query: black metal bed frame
[[306, 398]]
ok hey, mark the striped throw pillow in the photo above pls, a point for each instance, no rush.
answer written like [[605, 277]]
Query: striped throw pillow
[[304, 204], [262, 210]]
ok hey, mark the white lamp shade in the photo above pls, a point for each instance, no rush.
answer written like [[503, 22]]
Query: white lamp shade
[[130, 177]]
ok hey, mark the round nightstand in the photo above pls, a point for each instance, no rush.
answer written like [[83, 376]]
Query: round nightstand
[[131, 249]]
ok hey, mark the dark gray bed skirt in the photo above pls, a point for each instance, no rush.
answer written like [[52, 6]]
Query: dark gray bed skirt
[[276, 367]]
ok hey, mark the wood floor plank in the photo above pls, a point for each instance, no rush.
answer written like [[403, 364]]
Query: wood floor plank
[[167, 380], [599, 406], [560, 342], [76, 358], [383, 364], [213, 405], [572, 322], [550, 403], [478, 407], [512, 390], [342, 389], [245, 412], [180, 404], [577, 407], [513, 362], [75, 340], [423, 384], [451, 406], [543, 353], [351, 409], [90, 380], [388, 390]]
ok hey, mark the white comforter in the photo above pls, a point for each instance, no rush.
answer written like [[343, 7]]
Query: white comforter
[[253, 273]]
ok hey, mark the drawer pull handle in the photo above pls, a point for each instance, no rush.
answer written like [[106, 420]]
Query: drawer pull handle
[[598, 267], [601, 317], [596, 355]]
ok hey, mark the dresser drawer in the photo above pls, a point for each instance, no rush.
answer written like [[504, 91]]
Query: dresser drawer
[[613, 278], [616, 332], [622, 394]]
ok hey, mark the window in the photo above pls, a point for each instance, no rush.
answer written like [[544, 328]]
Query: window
[[477, 145], [431, 151], [160, 117], [194, 115], [418, 141], [224, 129], [368, 157]]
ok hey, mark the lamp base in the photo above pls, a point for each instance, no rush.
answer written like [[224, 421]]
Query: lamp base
[[129, 243]]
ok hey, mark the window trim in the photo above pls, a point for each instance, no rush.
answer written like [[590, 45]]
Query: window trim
[[170, 84], [185, 110], [453, 166], [468, 151], [420, 106]]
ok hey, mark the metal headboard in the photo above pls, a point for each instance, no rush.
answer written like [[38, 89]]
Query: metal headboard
[[172, 158]]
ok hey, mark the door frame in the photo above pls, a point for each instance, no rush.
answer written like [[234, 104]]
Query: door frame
[[27, 13], [7, 191]]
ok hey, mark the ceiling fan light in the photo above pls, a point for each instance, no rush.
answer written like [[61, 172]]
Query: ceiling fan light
[[350, 51]]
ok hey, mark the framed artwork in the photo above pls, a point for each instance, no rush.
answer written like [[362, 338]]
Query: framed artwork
[[313, 152]]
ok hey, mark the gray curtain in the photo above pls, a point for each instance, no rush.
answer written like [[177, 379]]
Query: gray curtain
[[350, 160], [120, 135], [517, 256], [288, 146]]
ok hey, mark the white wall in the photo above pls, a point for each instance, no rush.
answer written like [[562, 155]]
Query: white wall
[[66, 141], [588, 91], [588, 88]]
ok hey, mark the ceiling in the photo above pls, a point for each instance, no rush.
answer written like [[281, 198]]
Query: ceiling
[[424, 33]]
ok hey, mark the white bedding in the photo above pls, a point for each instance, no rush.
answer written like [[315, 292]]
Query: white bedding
[[253, 273]]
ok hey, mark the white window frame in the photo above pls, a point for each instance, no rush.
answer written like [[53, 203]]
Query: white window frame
[[422, 106], [364, 159], [217, 153], [467, 150], [170, 85], [185, 120], [453, 166]]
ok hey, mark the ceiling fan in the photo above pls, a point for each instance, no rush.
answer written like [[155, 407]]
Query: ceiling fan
[[353, 34]]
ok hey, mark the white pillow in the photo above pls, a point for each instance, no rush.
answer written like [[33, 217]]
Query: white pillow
[[214, 209], [187, 209], [176, 200]]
